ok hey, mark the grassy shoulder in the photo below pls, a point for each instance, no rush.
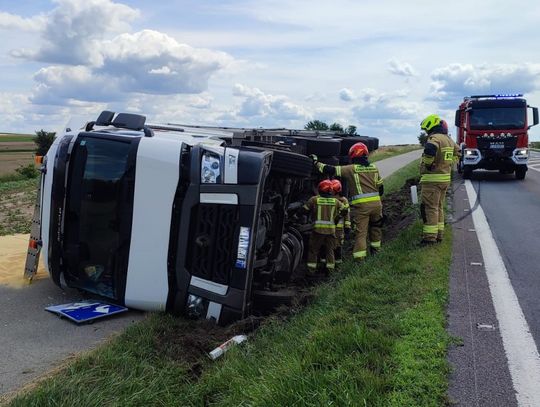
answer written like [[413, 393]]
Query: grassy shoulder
[[374, 335], [391, 151]]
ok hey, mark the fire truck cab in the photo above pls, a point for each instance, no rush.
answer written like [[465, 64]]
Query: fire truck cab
[[492, 131]]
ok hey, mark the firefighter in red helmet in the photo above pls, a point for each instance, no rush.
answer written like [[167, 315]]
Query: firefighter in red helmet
[[365, 190], [325, 210]]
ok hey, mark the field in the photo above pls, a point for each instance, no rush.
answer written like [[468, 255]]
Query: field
[[15, 151]]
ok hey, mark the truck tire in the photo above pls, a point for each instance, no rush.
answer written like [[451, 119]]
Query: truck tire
[[287, 163], [323, 147], [330, 160], [467, 172], [291, 164], [268, 301], [521, 171]]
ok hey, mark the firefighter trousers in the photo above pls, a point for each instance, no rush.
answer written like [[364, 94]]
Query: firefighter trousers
[[338, 250], [316, 242], [432, 209], [367, 217]]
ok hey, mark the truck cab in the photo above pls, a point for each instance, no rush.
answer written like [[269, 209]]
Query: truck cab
[[195, 220], [492, 131]]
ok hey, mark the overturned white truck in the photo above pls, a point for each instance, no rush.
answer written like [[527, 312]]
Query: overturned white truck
[[188, 219]]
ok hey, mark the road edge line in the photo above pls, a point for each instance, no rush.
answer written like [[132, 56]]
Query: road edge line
[[520, 348]]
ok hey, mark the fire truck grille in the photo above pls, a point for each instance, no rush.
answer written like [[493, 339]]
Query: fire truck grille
[[211, 250], [497, 147]]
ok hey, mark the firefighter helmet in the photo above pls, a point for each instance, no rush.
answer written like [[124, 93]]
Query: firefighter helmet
[[358, 150], [444, 126], [326, 186], [336, 186], [430, 122]]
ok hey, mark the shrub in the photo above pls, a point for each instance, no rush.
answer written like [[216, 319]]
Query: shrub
[[43, 141], [28, 171]]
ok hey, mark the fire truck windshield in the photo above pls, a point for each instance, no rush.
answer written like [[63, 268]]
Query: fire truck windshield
[[497, 118]]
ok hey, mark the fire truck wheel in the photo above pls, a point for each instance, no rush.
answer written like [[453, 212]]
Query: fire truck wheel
[[520, 172]]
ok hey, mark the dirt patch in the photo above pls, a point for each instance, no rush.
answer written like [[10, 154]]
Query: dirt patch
[[399, 211], [10, 161], [190, 341], [17, 206]]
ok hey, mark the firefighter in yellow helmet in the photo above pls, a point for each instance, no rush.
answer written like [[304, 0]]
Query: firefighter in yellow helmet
[[325, 209], [365, 187], [435, 168]]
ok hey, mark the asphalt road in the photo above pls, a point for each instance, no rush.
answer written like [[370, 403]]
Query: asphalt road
[[512, 210], [392, 164], [33, 341]]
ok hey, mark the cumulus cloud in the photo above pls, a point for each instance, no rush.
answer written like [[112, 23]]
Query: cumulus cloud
[[457, 80], [72, 32], [384, 106], [147, 62], [346, 95], [14, 22], [401, 68], [256, 103]]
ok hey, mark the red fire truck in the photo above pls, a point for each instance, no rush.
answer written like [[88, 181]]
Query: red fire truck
[[492, 131]]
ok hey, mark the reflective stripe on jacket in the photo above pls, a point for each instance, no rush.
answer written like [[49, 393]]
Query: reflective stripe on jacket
[[325, 211], [363, 181]]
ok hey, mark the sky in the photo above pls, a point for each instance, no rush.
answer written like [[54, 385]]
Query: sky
[[379, 65]]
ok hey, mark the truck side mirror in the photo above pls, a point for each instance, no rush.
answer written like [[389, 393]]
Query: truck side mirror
[[535, 116], [457, 121]]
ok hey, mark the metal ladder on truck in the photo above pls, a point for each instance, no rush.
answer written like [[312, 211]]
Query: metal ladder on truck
[[34, 244]]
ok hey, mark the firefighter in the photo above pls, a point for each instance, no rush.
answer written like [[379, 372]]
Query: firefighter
[[435, 168], [365, 190], [325, 209], [343, 226]]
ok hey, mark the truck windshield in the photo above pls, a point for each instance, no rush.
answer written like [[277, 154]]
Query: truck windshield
[[497, 118], [97, 211]]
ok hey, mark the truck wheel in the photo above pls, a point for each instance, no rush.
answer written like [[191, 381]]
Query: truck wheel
[[323, 147], [330, 160], [467, 172], [521, 171], [288, 163], [291, 164], [460, 167], [267, 301]]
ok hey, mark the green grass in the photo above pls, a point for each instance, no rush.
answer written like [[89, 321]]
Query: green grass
[[391, 151], [395, 182], [374, 335], [4, 137]]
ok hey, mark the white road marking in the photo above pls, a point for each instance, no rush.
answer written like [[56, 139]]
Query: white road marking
[[519, 346], [534, 169]]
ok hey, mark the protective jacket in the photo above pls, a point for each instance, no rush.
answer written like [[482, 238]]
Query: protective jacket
[[325, 211], [364, 181], [438, 157], [345, 220]]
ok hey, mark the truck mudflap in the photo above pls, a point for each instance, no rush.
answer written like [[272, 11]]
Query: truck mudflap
[[35, 243]]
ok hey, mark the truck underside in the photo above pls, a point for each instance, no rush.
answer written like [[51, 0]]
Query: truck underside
[[202, 221]]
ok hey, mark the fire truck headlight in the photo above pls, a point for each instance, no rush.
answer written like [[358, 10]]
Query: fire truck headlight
[[468, 152], [522, 151]]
